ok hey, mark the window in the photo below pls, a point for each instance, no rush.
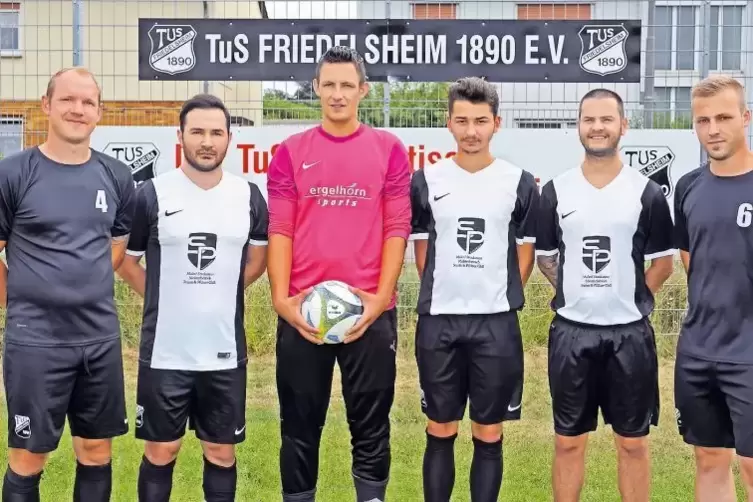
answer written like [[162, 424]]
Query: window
[[678, 35], [239, 120], [672, 105], [10, 24], [435, 10], [545, 124], [675, 40], [11, 136], [568, 11], [727, 33]]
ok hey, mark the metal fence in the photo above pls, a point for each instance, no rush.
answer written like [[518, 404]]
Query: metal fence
[[682, 42]]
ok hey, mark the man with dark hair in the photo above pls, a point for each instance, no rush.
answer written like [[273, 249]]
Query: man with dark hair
[[473, 232], [65, 216], [603, 94], [339, 205], [195, 225], [598, 224]]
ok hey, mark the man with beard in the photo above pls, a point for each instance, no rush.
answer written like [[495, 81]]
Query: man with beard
[[473, 228], [714, 367], [196, 225], [598, 224]]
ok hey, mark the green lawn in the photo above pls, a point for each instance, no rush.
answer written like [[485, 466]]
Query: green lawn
[[527, 442]]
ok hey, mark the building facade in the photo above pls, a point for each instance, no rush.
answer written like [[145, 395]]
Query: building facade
[[37, 39], [678, 28]]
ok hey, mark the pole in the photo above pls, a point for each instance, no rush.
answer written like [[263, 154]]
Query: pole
[[649, 103], [705, 54], [78, 57], [206, 16], [386, 104]]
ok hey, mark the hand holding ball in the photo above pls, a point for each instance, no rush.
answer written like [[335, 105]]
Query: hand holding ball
[[333, 309]]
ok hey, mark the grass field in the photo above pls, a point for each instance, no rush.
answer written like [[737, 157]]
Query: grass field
[[527, 442]]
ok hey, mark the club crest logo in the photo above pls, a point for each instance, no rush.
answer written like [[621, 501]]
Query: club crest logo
[[139, 416], [141, 158], [655, 162], [172, 49], [603, 48], [23, 426]]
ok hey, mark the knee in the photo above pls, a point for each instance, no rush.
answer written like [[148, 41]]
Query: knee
[[632, 447], [487, 433], [93, 451], [25, 463], [709, 460], [746, 468], [442, 430], [570, 446], [219, 454], [161, 453]]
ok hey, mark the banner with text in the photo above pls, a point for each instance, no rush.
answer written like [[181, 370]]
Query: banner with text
[[396, 49], [663, 155]]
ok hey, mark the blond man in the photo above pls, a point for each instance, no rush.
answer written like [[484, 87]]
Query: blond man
[[714, 233], [65, 216]]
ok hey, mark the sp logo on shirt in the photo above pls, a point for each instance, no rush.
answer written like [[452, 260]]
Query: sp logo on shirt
[[597, 252], [471, 234], [202, 249]]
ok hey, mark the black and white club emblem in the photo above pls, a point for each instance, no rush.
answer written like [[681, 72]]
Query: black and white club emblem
[[470, 235], [202, 249]]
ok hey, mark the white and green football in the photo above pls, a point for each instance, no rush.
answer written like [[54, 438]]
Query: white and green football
[[333, 309]]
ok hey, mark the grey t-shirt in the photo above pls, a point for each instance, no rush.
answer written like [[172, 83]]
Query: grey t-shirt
[[58, 221]]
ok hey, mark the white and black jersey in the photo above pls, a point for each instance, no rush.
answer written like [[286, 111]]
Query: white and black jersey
[[195, 242], [603, 237], [473, 222]]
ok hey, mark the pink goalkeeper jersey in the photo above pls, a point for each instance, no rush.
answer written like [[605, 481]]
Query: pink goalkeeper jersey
[[339, 199]]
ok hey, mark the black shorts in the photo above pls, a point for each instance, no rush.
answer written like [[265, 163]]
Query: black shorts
[[714, 403], [212, 403], [43, 385], [476, 358], [614, 368]]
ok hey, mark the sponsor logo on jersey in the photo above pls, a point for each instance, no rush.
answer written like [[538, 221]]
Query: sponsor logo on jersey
[[597, 252], [202, 249], [470, 235], [603, 48], [172, 49], [655, 162], [23, 426], [338, 195], [141, 158]]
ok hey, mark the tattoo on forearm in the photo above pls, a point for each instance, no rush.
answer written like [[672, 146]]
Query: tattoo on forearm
[[549, 265]]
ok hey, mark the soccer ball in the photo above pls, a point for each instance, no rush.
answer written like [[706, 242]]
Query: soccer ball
[[333, 309]]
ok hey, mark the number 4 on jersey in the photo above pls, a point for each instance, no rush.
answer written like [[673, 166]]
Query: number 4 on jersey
[[745, 214], [101, 201]]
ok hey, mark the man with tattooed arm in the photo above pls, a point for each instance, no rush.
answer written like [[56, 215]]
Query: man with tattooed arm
[[598, 224]]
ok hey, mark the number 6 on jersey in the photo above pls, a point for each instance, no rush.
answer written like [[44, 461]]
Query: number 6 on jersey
[[101, 201], [745, 214]]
